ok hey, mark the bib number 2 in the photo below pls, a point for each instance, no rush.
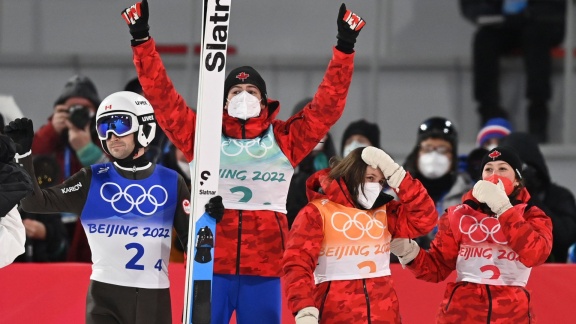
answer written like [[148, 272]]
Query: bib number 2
[[133, 263]]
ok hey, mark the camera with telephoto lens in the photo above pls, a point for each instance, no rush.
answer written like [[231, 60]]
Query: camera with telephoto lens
[[79, 116]]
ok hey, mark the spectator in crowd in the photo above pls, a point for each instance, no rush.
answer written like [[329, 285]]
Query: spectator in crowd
[[359, 133], [556, 201], [276, 147], [434, 161], [493, 240], [15, 184], [315, 161], [46, 236], [488, 138], [532, 26], [347, 210]]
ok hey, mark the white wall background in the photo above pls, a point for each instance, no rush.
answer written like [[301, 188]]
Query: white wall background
[[412, 60]]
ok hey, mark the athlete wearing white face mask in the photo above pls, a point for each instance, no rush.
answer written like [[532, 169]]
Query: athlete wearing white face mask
[[244, 106], [347, 211]]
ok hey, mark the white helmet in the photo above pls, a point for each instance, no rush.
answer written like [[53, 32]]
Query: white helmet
[[124, 113]]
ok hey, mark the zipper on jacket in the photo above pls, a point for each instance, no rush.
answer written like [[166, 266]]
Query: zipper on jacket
[[367, 300], [528, 296], [280, 228], [243, 127], [323, 301], [452, 295], [489, 294], [239, 241]]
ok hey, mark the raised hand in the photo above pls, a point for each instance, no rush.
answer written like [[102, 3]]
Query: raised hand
[[21, 131], [136, 16], [349, 26], [377, 158]]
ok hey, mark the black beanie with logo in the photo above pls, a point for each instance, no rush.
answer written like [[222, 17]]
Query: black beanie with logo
[[245, 75], [505, 154]]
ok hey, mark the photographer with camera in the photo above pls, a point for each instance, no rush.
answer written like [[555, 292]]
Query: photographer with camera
[[67, 136]]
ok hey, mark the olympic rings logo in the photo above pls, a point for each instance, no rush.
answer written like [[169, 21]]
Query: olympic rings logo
[[123, 197], [256, 148], [478, 232], [354, 228]]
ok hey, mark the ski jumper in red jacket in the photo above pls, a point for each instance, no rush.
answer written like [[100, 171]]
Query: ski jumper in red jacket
[[492, 257], [250, 241], [337, 256]]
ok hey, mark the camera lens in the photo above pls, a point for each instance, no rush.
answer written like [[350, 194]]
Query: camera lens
[[79, 116]]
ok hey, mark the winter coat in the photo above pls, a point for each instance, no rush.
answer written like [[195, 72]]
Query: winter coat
[[248, 242], [366, 300], [522, 234]]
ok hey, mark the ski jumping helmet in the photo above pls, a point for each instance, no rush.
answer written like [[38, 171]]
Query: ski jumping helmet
[[123, 113]]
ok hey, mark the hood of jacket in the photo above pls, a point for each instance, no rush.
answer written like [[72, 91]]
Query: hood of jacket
[[320, 186], [528, 151]]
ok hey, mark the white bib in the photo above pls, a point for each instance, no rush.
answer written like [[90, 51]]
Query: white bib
[[254, 173]]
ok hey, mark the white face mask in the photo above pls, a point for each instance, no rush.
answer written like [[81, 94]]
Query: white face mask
[[184, 167], [352, 146], [244, 106], [433, 165], [371, 192]]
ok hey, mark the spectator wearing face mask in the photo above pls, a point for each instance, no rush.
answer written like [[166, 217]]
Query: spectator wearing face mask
[[434, 161], [359, 133], [556, 201]]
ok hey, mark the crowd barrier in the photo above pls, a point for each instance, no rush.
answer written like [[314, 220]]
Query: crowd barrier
[[56, 293]]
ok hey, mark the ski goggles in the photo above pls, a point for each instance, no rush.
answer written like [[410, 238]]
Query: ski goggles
[[119, 124]]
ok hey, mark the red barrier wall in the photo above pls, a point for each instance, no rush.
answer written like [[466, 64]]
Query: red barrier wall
[[56, 293]]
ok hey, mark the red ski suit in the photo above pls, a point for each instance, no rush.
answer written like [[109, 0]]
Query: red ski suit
[[528, 233], [368, 300], [248, 242]]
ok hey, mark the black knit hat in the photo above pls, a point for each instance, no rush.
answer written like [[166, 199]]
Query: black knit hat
[[79, 86], [245, 75], [364, 128], [506, 154]]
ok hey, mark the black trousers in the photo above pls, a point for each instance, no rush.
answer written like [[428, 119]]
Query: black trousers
[[112, 304], [534, 40]]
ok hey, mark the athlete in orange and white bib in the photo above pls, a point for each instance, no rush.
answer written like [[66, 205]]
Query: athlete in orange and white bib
[[336, 264], [492, 240]]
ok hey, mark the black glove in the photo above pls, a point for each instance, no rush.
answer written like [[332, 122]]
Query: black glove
[[349, 26], [21, 131], [136, 16], [215, 208]]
